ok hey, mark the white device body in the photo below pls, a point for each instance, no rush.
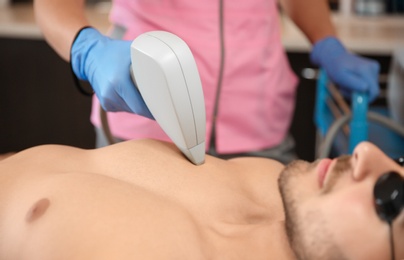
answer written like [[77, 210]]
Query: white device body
[[164, 70]]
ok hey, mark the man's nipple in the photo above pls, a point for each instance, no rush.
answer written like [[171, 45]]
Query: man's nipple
[[37, 210]]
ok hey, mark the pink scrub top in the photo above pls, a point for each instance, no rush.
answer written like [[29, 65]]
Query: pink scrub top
[[257, 94]]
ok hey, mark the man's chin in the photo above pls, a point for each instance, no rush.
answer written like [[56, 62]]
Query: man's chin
[[285, 184], [306, 228]]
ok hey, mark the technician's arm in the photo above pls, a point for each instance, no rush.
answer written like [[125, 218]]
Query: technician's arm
[[96, 58], [59, 21], [350, 72], [311, 16]]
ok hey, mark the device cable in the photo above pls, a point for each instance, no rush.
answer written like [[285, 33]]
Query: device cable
[[326, 144]]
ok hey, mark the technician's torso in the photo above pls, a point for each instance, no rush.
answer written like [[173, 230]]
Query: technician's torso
[[208, 212], [252, 100]]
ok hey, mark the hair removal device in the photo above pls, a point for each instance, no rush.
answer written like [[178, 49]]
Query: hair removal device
[[164, 70]]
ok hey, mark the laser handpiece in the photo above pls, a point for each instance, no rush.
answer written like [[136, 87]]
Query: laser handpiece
[[165, 72]]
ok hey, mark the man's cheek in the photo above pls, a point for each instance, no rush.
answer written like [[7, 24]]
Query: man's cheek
[[350, 219], [345, 206]]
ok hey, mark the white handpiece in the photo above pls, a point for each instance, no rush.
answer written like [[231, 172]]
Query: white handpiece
[[164, 70]]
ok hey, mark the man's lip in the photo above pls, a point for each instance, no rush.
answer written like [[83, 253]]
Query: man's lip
[[322, 170]]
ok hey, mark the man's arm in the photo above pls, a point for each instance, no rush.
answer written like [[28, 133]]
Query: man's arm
[[60, 20], [311, 16]]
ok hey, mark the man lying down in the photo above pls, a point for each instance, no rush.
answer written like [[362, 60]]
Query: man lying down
[[144, 200]]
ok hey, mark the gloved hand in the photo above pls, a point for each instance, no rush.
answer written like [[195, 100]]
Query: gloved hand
[[105, 63], [350, 72]]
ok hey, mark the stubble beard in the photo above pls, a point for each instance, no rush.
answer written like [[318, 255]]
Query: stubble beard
[[307, 232]]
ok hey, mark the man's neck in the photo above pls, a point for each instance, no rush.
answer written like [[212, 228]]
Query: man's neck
[[255, 225]]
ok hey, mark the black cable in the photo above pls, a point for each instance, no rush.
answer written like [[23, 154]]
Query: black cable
[[220, 79]]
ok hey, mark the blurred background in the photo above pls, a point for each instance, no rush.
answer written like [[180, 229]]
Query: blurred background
[[39, 104]]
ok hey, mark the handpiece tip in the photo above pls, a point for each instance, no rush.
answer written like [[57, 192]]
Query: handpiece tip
[[195, 154]]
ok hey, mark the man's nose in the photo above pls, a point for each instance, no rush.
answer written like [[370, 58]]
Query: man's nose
[[368, 160]]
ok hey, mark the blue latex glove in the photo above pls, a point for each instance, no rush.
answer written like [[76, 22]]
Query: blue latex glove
[[350, 72], [105, 63]]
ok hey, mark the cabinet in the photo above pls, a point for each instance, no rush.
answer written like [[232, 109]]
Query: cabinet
[[39, 103]]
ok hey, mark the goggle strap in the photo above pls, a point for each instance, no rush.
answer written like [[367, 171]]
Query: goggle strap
[[393, 257]]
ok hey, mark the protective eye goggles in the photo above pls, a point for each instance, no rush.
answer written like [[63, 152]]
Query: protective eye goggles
[[389, 198]]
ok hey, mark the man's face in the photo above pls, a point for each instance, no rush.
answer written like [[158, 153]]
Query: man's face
[[330, 210]]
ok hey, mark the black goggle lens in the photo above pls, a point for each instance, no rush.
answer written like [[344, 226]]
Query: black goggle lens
[[389, 196]]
